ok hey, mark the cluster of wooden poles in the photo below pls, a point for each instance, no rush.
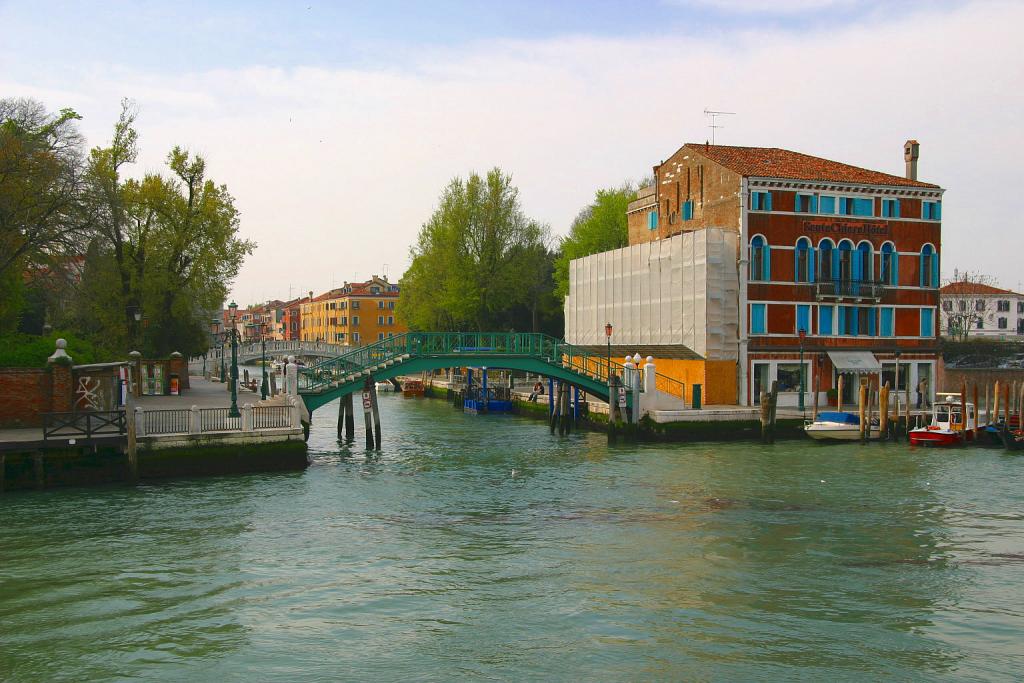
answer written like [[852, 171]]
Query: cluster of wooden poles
[[562, 417], [371, 416], [1004, 402]]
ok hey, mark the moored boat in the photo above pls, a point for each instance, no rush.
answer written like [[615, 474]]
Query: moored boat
[[838, 426], [948, 426], [413, 388]]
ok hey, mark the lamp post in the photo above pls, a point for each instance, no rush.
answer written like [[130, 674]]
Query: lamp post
[[233, 411], [218, 338], [803, 372], [263, 354], [608, 340]]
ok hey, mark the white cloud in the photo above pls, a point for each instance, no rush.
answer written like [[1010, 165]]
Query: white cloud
[[336, 169]]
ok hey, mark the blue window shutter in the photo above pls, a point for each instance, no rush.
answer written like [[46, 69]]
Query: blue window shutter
[[923, 279], [896, 208], [827, 205], [767, 201], [814, 203], [803, 318], [854, 320], [872, 323], [935, 270], [767, 274], [856, 264], [757, 318], [835, 264], [824, 320], [937, 211], [926, 322], [810, 264], [841, 322], [886, 322], [895, 268]]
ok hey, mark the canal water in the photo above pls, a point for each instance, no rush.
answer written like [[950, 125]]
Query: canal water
[[483, 548]]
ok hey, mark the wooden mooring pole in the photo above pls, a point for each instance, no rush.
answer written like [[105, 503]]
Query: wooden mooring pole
[[995, 403], [376, 415], [350, 419], [368, 413], [556, 409], [883, 412], [861, 411], [341, 417]]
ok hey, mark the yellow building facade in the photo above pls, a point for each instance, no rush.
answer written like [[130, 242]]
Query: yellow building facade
[[356, 314]]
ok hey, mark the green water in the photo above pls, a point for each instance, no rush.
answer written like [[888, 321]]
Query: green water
[[482, 548]]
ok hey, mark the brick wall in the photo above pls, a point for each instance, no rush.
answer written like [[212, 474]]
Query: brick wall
[[24, 394]]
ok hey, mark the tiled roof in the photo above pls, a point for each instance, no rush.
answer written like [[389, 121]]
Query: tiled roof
[[773, 162], [959, 288]]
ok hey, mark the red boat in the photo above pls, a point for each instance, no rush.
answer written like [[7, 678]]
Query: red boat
[[947, 427]]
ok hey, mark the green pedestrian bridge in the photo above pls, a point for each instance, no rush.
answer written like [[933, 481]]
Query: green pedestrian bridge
[[415, 352]]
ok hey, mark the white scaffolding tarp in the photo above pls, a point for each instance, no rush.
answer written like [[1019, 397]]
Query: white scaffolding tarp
[[677, 291]]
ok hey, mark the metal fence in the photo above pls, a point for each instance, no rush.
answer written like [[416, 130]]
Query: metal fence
[[173, 421]]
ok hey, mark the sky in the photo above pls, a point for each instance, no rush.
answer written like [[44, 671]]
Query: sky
[[336, 126]]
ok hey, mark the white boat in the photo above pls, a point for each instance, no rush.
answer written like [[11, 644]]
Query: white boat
[[836, 426], [385, 386]]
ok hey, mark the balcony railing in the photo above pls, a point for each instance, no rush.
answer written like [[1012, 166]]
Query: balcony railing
[[849, 289]]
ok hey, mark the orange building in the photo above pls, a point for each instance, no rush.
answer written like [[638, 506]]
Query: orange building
[[357, 313]]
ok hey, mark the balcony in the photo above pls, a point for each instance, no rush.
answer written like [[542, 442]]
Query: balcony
[[852, 290]]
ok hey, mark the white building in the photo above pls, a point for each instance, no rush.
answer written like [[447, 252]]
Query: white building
[[987, 312]]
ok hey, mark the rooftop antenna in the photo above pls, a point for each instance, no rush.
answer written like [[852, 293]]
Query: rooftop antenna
[[384, 271], [714, 120]]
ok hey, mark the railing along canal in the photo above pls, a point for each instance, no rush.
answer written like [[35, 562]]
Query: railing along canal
[[84, 424]]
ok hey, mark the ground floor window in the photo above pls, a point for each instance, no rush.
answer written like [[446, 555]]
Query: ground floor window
[[789, 377]]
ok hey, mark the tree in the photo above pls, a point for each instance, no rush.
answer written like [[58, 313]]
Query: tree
[[166, 247], [599, 226], [40, 186], [476, 261], [967, 301]]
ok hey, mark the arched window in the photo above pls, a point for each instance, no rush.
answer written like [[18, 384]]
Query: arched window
[[862, 262], [929, 267], [888, 263], [825, 249], [760, 259], [804, 266], [844, 261]]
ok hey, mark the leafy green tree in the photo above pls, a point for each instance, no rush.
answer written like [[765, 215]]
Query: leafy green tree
[[476, 261], [166, 246], [41, 167], [600, 226]]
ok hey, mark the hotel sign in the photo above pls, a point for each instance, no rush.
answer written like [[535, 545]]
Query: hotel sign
[[850, 228]]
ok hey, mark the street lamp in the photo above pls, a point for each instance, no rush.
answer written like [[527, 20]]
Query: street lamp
[[803, 371], [233, 411], [218, 338], [263, 353], [608, 340]]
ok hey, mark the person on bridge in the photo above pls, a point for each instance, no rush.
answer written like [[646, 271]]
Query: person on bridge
[[538, 390]]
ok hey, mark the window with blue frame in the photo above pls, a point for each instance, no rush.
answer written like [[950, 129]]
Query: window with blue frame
[[890, 208], [856, 206], [803, 318], [927, 322], [929, 276], [652, 220], [887, 315], [825, 249], [758, 318], [760, 259], [826, 204], [805, 203], [760, 201], [887, 264], [687, 210], [804, 266], [825, 319], [862, 265], [931, 211]]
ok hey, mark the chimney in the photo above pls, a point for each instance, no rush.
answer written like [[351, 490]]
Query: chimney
[[911, 151]]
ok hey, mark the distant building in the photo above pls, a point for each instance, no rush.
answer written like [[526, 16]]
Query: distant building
[[982, 311], [839, 260], [357, 313]]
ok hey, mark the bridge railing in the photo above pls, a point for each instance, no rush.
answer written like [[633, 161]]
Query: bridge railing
[[455, 344]]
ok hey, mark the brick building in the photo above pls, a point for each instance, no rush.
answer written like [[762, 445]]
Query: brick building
[[357, 313], [847, 256]]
